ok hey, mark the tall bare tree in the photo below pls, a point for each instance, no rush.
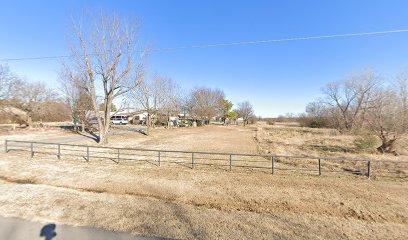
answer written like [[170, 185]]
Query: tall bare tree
[[145, 96], [158, 96], [171, 103], [207, 102], [386, 119], [31, 98], [245, 110], [186, 103], [76, 97], [8, 81], [401, 87], [108, 54], [349, 100], [365, 102]]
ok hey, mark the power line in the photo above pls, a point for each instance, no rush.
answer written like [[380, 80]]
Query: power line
[[230, 44]]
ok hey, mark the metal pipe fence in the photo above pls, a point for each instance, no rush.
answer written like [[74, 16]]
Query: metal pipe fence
[[227, 161]]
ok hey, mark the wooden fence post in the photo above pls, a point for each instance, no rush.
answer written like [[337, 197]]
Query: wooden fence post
[[230, 162], [87, 153], [320, 167], [159, 157], [368, 169], [5, 146], [59, 151], [32, 150], [273, 164], [192, 160]]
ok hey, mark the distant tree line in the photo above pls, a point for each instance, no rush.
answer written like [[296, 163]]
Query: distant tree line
[[364, 102], [162, 97], [23, 102]]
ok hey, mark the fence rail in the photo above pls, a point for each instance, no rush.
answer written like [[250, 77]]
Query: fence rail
[[267, 162]]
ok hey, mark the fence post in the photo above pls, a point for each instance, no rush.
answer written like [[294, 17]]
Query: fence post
[[320, 167], [230, 162], [192, 160], [118, 156], [273, 164], [368, 169], [159, 157], [32, 150], [5, 146], [87, 153], [59, 151]]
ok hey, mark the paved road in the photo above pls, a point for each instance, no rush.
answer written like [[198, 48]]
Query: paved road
[[19, 229]]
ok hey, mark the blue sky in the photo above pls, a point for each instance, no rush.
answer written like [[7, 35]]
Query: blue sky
[[277, 78]]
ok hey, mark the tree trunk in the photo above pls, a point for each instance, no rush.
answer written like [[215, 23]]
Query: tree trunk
[[29, 121], [101, 137], [387, 146], [105, 135], [148, 124]]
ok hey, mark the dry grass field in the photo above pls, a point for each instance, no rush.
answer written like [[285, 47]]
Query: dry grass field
[[175, 201], [290, 139]]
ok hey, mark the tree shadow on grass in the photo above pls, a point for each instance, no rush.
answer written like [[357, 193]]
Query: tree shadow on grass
[[325, 148], [92, 136], [353, 171]]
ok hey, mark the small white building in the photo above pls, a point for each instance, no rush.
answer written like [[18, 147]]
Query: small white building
[[140, 116], [240, 120]]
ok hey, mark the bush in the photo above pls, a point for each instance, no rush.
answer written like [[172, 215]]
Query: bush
[[252, 120], [317, 123], [313, 122], [366, 142], [270, 122]]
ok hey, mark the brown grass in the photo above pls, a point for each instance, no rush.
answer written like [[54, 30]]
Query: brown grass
[[284, 139], [177, 202]]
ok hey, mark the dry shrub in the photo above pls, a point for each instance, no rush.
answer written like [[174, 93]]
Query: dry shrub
[[270, 122], [402, 145], [313, 122], [366, 142]]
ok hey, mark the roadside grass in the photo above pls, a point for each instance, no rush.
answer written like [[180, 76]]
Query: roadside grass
[[176, 201]]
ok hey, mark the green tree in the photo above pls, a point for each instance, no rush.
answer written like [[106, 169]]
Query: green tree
[[227, 106], [233, 116], [113, 107]]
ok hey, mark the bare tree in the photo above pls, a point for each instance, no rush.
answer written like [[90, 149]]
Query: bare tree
[[386, 119], [186, 103], [245, 110], [363, 102], [157, 96], [171, 103], [76, 97], [401, 87], [109, 57], [207, 102], [31, 98], [316, 116], [349, 100], [8, 81]]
